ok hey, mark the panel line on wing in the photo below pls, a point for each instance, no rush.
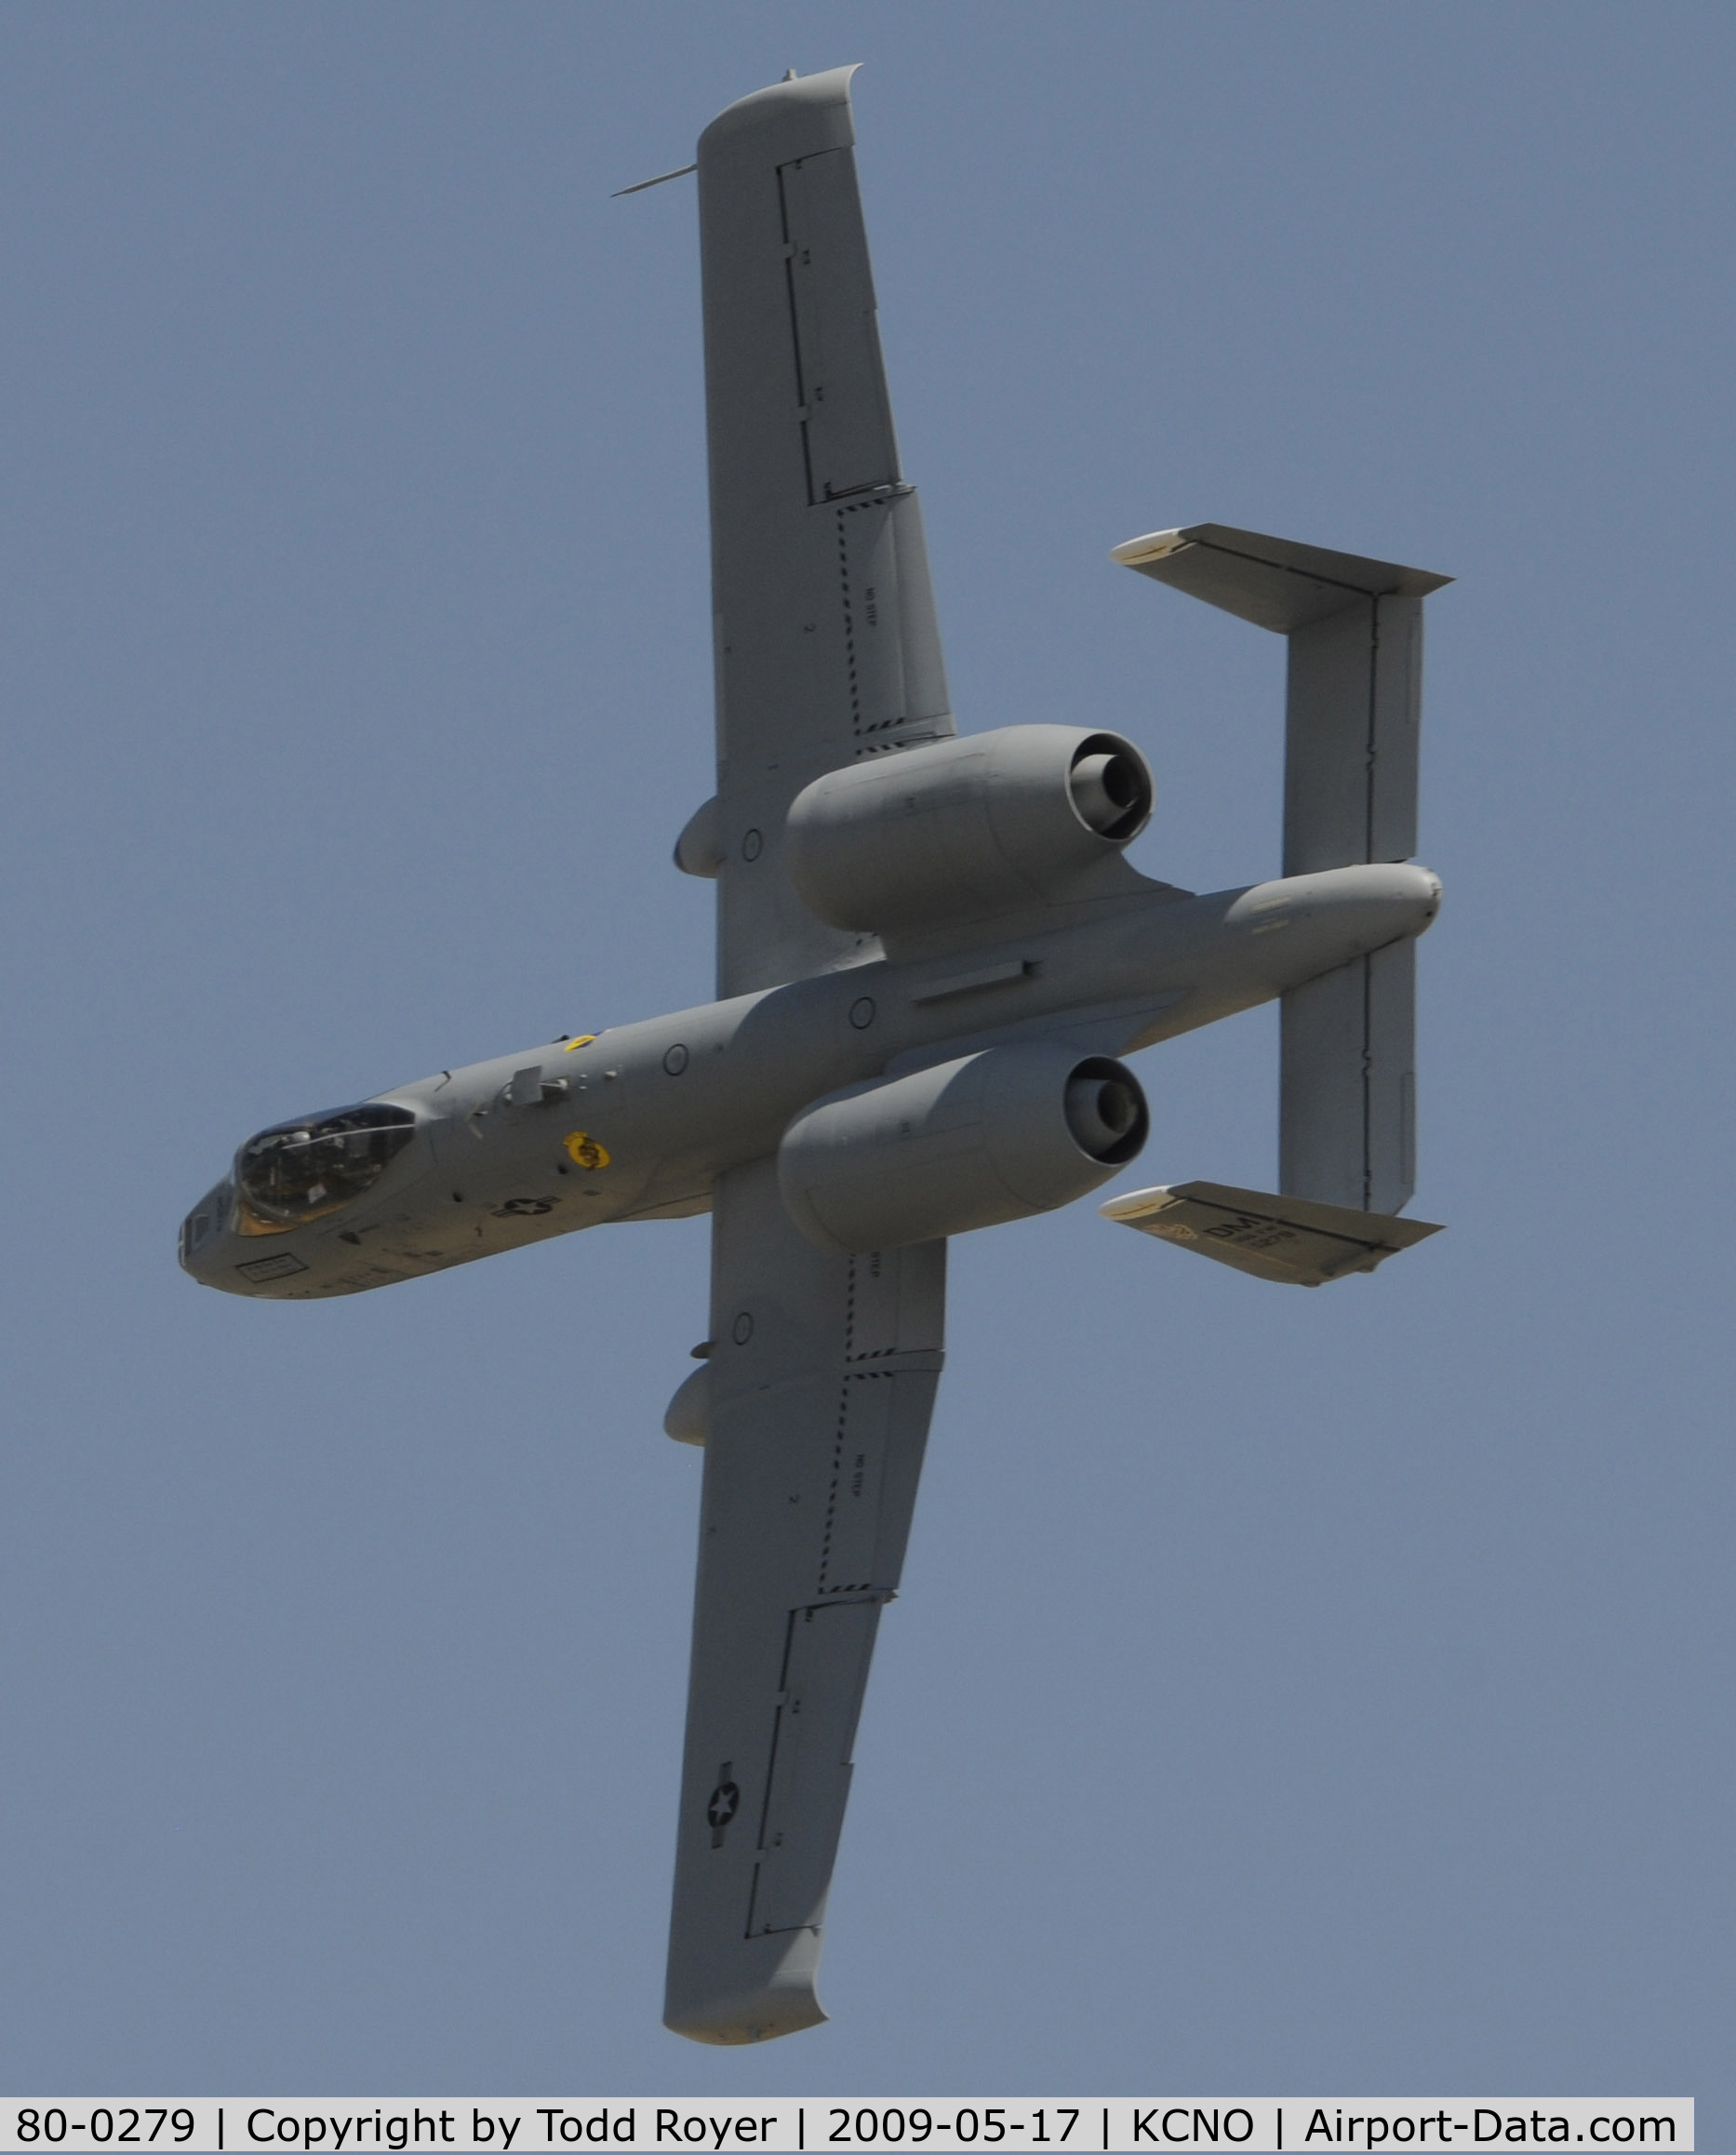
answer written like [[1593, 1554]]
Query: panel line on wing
[[852, 667], [847, 419], [858, 1471], [795, 326], [777, 1723], [869, 582], [829, 1524], [808, 1778]]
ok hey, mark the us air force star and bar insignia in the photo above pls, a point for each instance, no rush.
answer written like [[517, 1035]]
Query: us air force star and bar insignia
[[723, 1804]]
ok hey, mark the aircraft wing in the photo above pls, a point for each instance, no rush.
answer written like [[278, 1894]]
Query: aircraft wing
[[827, 646], [821, 1376], [821, 1371]]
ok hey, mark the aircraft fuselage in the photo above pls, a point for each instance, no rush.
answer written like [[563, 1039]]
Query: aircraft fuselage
[[636, 1121]]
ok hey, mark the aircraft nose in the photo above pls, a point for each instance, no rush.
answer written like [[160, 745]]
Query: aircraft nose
[[200, 1231]]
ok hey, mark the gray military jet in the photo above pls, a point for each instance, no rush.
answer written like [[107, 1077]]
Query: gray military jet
[[933, 955]]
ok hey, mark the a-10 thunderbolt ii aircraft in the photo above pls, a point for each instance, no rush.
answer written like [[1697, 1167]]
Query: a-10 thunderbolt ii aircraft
[[933, 955]]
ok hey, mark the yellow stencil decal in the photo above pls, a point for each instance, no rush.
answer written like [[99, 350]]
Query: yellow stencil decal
[[583, 1041], [584, 1150]]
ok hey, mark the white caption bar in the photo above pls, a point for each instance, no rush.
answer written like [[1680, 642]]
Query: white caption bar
[[1078, 2124]]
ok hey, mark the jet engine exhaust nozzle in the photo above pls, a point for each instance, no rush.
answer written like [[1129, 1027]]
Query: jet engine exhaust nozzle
[[1112, 794], [1105, 1114]]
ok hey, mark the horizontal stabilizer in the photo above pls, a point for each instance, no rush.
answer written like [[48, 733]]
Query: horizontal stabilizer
[[1284, 1239], [1277, 583]]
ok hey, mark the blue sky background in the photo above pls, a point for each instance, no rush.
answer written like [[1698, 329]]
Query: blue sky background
[[1320, 1691]]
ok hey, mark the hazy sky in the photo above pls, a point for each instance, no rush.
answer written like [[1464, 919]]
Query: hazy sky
[[1289, 1692]]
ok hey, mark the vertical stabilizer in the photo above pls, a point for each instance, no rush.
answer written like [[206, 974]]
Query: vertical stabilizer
[[1347, 1086]]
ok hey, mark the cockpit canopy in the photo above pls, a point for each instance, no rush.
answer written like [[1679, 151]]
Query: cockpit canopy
[[300, 1170]]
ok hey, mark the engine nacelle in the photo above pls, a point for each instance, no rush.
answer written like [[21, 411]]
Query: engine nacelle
[[993, 1136], [964, 827]]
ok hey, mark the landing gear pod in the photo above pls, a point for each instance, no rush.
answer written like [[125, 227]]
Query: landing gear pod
[[993, 1136]]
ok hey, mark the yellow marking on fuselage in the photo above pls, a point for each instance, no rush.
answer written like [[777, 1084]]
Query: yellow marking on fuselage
[[583, 1041], [584, 1151]]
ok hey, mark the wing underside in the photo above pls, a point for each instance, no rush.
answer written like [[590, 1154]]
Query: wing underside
[[823, 1375], [822, 1369], [827, 646]]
